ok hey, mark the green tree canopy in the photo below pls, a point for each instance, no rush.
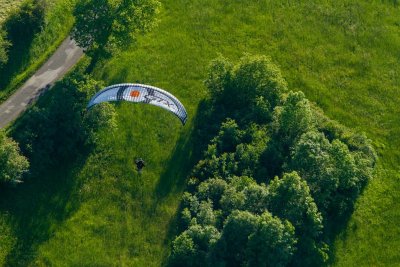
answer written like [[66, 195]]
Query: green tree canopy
[[311, 158], [260, 132], [272, 244], [247, 91], [292, 119], [105, 26], [12, 164], [290, 198], [63, 128], [192, 247], [4, 46], [235, 235]]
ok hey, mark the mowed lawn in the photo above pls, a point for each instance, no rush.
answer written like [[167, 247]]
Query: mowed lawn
[[343, 55]]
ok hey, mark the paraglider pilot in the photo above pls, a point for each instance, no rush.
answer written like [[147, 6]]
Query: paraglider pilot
[[140, 164]]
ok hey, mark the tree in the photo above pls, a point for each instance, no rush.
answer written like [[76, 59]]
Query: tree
[[331, 170], [183, 251], [256, 198], [212, 189], [194, 246], [248, 91], [4, 46], [290, 199], [271, 133], [272, 244], [63, 129], [231, 200], [12, 164], [229, 136], [292, 119], [100, 117], [350, 179], [289, 122], [255, 77], [311, 158], [234, 237], [104, 26], [219, 75]]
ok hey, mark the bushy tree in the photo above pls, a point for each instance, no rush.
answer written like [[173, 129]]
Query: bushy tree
[[193, 247], [311, 158], [290, 199], [222, 166], [212, 189], [232, 199], [184, 251], [100, 117], [235, 236], [323, 167], [255, 240], [12, 164], [4, 46], [219, 75], [63, 129], [256, 77], [234, 152], [248, 91], [292, 119], [229, 136], [272, 244], [104, 26], [331, 170], [256, 198]]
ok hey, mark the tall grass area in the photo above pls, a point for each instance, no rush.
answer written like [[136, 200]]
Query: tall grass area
[[26, 56], [6, 6], [342, 54]]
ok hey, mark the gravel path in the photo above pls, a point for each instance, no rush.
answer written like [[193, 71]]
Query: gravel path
[[65, 57]]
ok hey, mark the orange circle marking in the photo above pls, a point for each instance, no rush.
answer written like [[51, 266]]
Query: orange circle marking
[[135, 93]]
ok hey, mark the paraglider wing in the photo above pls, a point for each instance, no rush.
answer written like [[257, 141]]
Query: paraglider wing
[[140, 93]]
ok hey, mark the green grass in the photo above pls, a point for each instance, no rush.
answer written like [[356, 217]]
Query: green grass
[[342, 54], [6, 6], [25, 58]]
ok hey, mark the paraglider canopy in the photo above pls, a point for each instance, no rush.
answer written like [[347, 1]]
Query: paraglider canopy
[[140, 93]]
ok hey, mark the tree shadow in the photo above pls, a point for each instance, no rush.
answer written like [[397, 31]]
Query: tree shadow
[[183, 157], [187, 152], [52, 143], [340, 227], [35, 207], [21, 27]]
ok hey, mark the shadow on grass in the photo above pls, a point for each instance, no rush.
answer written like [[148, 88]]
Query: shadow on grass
[[339, 227], [21, 27], [18, 60], [52, 142], [187, 153], [36, 207], [181, 162]]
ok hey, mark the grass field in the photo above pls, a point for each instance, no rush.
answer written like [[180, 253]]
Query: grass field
[[342, 54], [6, 6]]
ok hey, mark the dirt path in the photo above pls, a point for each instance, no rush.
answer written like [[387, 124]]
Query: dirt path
[[65, 57]]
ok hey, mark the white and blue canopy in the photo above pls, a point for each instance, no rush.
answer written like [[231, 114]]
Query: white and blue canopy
[[140, 93]]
